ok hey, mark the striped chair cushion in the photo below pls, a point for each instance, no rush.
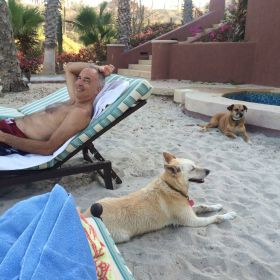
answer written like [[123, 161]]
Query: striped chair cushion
[[6, 112], [139, 89], [61, 95]]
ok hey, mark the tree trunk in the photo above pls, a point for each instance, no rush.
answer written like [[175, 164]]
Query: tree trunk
[[187, 11], [51, 19], [10, 72], [124, 22]]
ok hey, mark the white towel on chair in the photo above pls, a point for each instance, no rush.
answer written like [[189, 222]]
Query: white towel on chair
[[107, 96]]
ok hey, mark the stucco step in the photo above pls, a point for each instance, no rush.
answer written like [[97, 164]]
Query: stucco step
[[146, 62], [135, 73], [142, 67], [166, 91], [150, 57]]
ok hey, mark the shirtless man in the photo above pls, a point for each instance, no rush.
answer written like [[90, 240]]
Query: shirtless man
[[45, 131]]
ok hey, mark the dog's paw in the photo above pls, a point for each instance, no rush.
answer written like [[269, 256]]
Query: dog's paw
[[217, 207], [229, 216], [249, 142], [225, 217]]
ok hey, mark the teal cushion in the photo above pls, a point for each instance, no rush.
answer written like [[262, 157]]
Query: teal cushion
[[6, 112], [60, 95]]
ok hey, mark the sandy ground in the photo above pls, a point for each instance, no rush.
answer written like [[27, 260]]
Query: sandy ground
[[244, 178]]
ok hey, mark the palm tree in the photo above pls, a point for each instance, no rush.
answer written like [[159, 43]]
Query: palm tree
[[187, 11], [51, 18], [10, 70], [95, 28], [124, 22], [25, 23]]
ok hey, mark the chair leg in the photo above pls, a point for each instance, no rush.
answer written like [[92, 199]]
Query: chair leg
[[86, 155], [99, 157], [107, 176]]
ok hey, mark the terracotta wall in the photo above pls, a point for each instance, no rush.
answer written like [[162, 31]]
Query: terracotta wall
[[263, 27], [209, 62]]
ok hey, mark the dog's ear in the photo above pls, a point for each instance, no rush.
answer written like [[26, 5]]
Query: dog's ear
[[245, 108], [230, 107], [168, 157], [172, 169]]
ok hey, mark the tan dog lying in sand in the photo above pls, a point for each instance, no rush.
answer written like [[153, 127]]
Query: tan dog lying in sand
[[163, 202], [230, 123]]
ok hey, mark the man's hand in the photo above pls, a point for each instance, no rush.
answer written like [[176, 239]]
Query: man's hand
[[106, 70]]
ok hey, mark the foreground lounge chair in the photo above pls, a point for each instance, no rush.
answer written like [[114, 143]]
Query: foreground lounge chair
[[118, 266], [44, 237], [133, 98]]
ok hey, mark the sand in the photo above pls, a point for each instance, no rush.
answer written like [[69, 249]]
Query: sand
[[244, 178]]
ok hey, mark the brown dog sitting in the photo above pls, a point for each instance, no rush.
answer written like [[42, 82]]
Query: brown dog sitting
[[230, 123]]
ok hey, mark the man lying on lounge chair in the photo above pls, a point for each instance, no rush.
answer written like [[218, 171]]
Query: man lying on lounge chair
[[45, 131]]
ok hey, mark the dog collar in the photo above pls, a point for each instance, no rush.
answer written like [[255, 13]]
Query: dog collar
[[190, 201]]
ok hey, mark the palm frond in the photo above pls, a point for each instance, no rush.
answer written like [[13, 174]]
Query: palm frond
[[87, 17], [102, 8], [94, 27]]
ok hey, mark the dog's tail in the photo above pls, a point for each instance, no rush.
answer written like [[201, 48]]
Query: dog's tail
[[96, 210]]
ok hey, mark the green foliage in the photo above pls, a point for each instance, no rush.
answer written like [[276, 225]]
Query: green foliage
[[233, 29], [70, 45], [25, 23], [236, 16], [95, 28]]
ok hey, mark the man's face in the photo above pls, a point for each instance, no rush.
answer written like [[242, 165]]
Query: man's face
[[87, 86]]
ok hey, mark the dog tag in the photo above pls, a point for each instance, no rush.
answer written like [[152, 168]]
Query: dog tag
[[191, 202]]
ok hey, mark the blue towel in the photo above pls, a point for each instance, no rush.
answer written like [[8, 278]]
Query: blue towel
[[42, 238]]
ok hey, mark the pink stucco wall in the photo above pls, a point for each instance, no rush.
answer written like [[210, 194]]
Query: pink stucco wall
[[209, 62], [263, 27]]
